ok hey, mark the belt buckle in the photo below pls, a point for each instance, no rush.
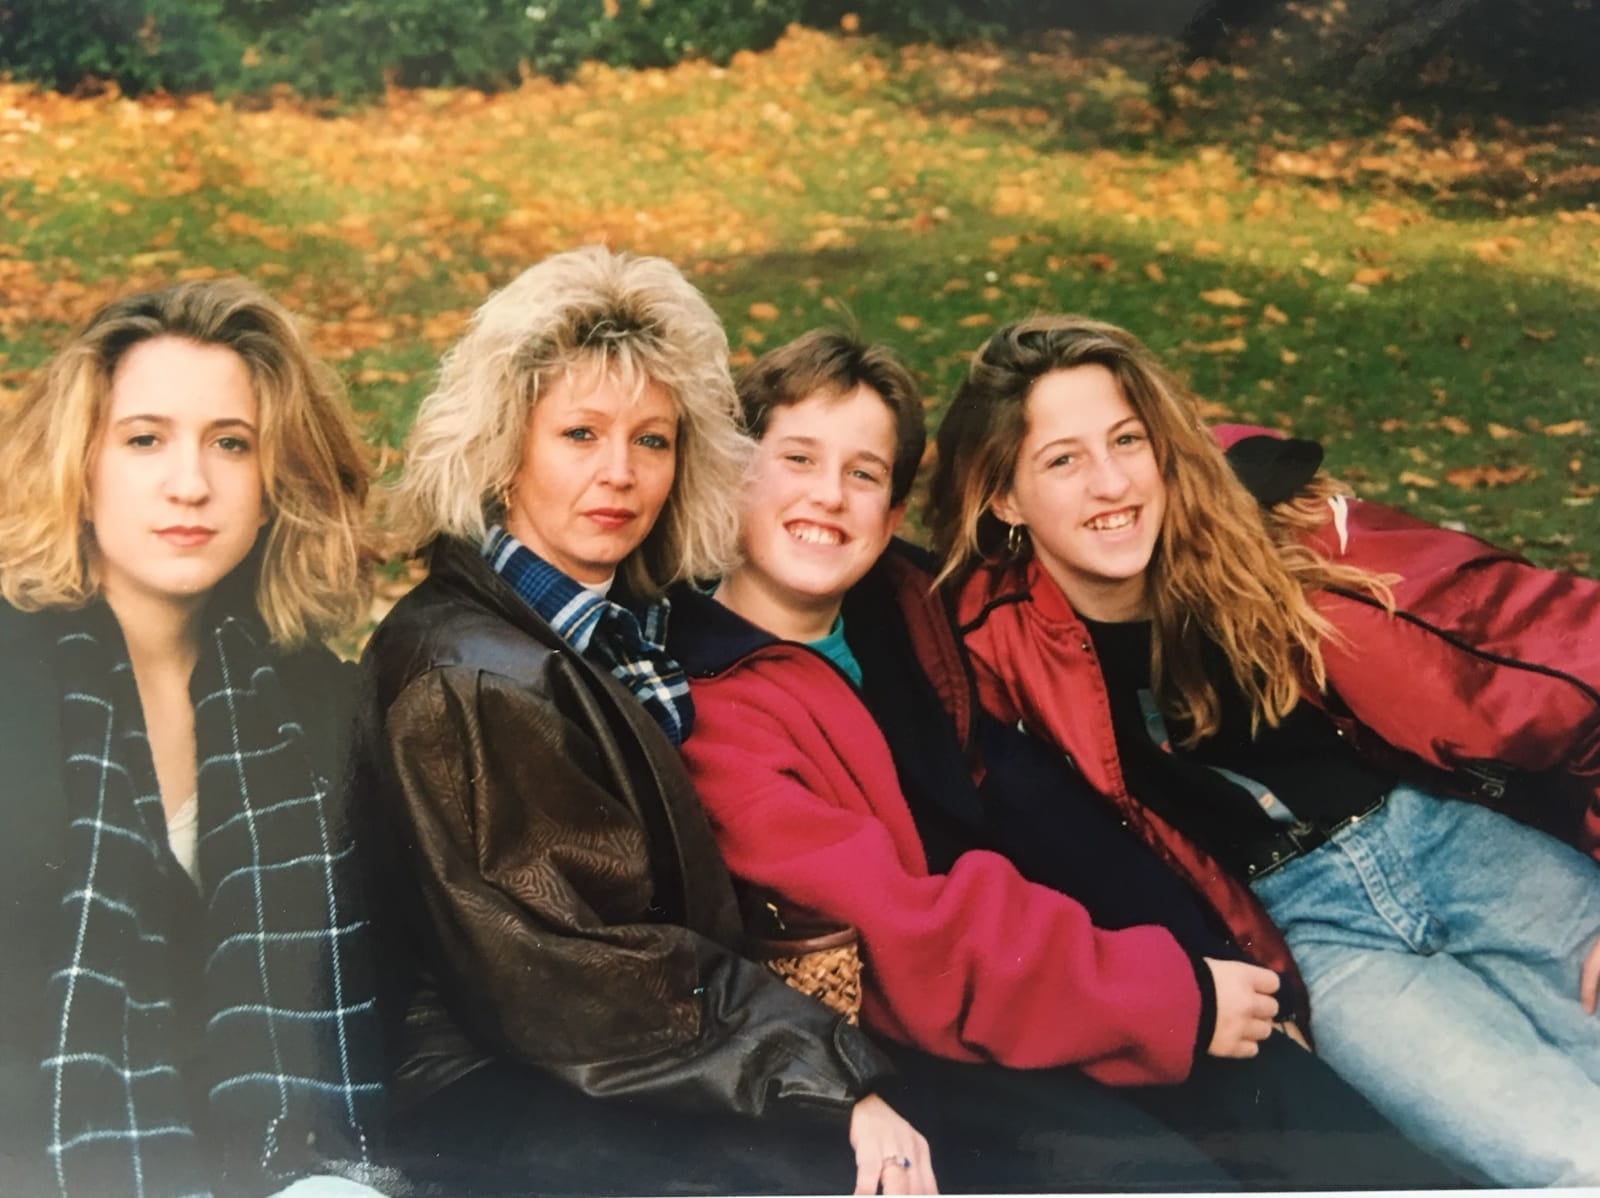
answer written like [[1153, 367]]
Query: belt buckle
[[1302, 835]]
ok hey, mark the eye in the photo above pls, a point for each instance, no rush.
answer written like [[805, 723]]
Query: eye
[[232, 444], [142, 441], [1061, 459], [867, 476], [579, 433], [1130, 438], [654, 441], [799, 459]]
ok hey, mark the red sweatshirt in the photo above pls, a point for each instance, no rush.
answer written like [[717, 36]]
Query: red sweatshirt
[[976, 965]]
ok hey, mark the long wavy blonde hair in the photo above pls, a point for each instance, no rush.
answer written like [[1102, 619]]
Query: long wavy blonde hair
[[638, 320], [1218, 574], [309, 559]]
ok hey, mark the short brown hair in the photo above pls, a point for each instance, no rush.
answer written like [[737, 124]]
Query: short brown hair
[[836, 363]]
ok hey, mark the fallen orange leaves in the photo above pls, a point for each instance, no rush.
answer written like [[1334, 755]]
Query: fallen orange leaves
[[1468, 477], [1227, 345]]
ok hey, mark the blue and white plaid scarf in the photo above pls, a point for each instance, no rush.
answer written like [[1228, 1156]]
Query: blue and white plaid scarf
[[632, 647], [220, 1039]]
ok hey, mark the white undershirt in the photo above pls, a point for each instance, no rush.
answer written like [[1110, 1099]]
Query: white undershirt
[[602, 589], [183, 829]]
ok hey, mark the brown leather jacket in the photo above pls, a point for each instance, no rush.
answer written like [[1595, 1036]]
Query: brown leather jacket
[[546, 884]]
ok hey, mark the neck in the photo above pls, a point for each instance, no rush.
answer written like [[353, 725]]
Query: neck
[[1119, 601], [160, 634], [741, 594]]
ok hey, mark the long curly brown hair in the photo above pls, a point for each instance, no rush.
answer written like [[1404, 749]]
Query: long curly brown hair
[[1222, 572]]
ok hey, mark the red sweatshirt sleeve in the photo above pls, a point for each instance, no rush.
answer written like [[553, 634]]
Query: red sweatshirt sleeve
[[976, 965]]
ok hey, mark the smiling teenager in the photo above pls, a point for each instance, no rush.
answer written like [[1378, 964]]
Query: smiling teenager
[[1261, 710], [188, 999], [849, 781], [567, 1006]]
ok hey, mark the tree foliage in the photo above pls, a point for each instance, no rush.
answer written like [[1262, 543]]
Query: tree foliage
[[352, 48]]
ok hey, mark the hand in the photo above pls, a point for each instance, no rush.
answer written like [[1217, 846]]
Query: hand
[[1245, 1007], [881, 1139], [1589, 979]]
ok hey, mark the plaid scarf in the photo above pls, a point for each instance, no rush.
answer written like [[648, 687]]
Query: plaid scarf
[[632, 647], [212, 1037]]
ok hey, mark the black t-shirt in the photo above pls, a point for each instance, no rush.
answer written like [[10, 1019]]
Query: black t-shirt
[[1313, 774]]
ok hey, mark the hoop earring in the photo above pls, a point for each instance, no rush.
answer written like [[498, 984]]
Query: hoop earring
[[1013, 539]]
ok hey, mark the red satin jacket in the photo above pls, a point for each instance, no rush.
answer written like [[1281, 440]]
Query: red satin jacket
[[1484, 683]]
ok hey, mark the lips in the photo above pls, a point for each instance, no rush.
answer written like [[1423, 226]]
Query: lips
[[610, 517], [186, 536]]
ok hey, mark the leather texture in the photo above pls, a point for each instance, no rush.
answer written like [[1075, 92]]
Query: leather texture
[[547, 885]]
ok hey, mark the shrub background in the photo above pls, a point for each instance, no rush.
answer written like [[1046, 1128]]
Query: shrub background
[[349, 49]]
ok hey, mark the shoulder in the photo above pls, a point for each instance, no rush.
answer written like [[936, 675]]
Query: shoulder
[[461, 617]]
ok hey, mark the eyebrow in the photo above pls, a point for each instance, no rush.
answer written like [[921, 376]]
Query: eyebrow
[[1059, 442], [597, 416], [166, 421], [804, 442], [872, 457]]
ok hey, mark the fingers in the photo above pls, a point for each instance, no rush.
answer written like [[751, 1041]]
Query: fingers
[[897, 1173], [896, 1177], [1589, 979], [867, 1173], [920, 1175]]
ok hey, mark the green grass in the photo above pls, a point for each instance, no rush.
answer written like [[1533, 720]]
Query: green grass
[[1419, 289]]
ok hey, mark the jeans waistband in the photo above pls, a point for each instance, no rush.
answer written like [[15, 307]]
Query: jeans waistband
[[1285, 842]]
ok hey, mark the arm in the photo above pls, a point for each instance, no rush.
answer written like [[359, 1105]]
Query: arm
[[978, 964], [535, 896]]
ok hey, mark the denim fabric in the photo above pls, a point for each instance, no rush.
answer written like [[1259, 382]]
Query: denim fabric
[[1441, 943]]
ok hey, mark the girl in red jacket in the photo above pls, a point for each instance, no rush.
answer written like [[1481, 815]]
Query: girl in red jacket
[[832, 728], [1122, 597]]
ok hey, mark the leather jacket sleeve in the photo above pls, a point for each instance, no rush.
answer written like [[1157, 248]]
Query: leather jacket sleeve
[[548, 929]]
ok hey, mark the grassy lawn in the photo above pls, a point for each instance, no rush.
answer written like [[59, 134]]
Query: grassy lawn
[[1418, 290]]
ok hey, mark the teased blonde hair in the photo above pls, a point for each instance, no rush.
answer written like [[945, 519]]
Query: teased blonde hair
[[636, 319], [308, 561], [1218, 574]]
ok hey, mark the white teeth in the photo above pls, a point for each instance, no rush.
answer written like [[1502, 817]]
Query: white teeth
[[1111, 521], [813, 534]]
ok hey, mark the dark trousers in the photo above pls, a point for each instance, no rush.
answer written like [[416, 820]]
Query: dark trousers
[[508, 1131]]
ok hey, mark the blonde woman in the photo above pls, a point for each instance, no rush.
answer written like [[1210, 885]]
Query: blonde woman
[[187, 1003], [1122, 597], [575, 1017]]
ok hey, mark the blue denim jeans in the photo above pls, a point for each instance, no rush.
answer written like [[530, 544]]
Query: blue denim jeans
[[1441, 943]]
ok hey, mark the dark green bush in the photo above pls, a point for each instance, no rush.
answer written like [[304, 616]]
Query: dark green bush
[[141, 45], [349, 48]]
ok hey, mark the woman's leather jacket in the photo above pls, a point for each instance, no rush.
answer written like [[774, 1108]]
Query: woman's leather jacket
[[546, 884]]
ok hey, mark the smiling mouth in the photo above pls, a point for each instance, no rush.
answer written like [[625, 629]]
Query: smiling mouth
[[814, 534], [1113, 521]]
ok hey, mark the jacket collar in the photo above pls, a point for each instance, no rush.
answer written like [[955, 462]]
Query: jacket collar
[[706, 637], [457, 565]]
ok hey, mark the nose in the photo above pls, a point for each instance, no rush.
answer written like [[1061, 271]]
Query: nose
[[186, 480], [827, 489], [616, 464], [1107, 478]]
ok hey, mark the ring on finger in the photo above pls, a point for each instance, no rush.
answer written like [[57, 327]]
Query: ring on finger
[[900, 1162]]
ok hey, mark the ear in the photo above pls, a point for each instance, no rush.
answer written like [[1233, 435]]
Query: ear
[[1005, 510], [895, 518]]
